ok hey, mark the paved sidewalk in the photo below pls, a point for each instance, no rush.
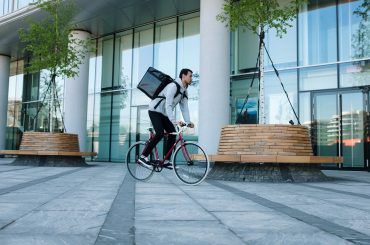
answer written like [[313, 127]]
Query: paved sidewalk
[[102, 204]]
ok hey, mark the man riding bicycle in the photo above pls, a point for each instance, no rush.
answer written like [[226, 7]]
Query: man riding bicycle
[[161, 113]]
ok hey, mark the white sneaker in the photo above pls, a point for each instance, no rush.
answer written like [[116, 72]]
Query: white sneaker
[[144, 161], [168, 164]]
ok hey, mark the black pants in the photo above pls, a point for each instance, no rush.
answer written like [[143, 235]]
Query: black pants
[[160, 123]]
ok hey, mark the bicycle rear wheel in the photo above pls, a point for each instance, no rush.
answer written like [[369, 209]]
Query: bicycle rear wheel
[[190, 163], [136, 170]]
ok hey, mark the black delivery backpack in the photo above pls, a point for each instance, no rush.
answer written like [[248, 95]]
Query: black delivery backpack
[[153, 82]]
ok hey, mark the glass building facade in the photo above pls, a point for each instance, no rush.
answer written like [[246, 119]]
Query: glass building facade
[[8, 6], [323, 61]]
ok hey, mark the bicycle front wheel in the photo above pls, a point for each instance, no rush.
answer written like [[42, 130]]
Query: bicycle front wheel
[[190, 163], [136, 170]]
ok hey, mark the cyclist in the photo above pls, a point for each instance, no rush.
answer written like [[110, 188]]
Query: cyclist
[[162, 116]]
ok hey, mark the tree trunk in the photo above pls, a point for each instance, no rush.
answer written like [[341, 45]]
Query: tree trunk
[[261, 112], [52, 104]]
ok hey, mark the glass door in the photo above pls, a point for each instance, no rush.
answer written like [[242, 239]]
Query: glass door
[[353, 129], [325, 127], [339, 122]]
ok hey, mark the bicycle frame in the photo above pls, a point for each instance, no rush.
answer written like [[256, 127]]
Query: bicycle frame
[[166, 157]]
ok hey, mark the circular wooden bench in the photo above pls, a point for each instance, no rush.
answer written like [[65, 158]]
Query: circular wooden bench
[[283, 151], [51, 149]]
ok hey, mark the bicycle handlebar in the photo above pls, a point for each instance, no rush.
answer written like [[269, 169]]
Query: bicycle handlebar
[[179, 129]]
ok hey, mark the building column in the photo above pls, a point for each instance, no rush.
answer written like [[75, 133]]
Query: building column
[[214, 94], [4, 88], [75, 97]]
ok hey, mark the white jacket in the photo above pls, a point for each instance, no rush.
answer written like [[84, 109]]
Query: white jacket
[[167, 106]]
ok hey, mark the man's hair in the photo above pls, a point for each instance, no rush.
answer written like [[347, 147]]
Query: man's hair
[[185, 72]]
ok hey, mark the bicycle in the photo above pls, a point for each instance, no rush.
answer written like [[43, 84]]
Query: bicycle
[[189, 161]]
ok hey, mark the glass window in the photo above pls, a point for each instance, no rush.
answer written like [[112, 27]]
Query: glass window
[[305, 109], [31, 87], [143, 53], [4, 8], [14, 115], [239, 91], [120, 125], [104, 126], [139, 98], [92, 72], [188, 56], [107, 63], [355, 74], [283, 51], [96, 124], [318, 33], [321, 77], [165, 47], [354, 31], [117, 118], [277, 107], [123, 60], [90, 123], [23, 3], [247, 50], [99, 67]]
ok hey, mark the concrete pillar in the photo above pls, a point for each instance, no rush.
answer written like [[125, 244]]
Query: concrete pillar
[[75, 97], [4, 87], [214, 97]]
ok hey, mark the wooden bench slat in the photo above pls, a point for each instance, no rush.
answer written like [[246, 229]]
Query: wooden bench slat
[[47, 153], [268, 143], [49, 144]]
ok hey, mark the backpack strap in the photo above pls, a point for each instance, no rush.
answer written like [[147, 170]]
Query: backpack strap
[[178, 91], [184, 95], [159, 102]]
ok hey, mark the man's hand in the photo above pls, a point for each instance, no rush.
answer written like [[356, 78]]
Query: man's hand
[[191, 125], [181, 123]]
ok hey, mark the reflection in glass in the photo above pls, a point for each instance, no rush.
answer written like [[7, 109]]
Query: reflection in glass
[[14, 128], [314, 78], [104, 127], [305, 109], [107, 63], [143, 53], [239, 91], [283, 51], [120, 125], [23, 3], [277, 107], [353, 129], [354, 30], [355, 74], [90, 122], [123, 61], [92, 72], [247, 42], [318, 33], [325, 127], [165, 47]]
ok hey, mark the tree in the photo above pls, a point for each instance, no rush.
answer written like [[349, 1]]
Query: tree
[[51, 46], [259, 16]]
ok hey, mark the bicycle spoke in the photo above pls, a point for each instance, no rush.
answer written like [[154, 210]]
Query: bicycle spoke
[[136, 170], [191, 164]]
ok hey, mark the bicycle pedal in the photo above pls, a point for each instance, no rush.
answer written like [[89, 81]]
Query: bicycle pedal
[[167, 165]]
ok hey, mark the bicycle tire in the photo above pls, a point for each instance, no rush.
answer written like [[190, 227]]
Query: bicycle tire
[[190, 171], [137, 171]]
